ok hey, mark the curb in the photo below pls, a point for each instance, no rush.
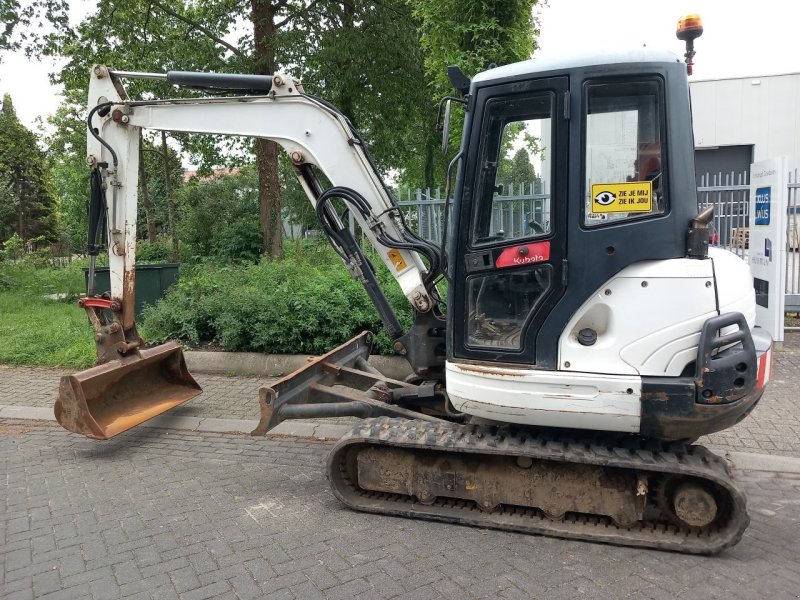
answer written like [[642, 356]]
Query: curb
[[254, 364], [740, 461], [302, 429]]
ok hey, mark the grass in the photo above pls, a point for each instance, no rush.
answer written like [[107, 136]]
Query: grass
[[35, 331]]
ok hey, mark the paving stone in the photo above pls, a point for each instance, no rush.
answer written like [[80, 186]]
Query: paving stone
[[163, 514]]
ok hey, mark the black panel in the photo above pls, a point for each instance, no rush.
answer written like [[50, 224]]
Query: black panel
[[762, 291], [466, 260]]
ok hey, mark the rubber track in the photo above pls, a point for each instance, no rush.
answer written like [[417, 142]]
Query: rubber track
[[648, 456]]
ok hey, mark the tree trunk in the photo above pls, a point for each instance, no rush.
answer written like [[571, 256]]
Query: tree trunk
[[147, 202], [170, 201], [21, 211], [269, 193]]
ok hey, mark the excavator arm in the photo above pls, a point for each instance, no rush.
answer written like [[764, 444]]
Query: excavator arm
[[132, 384], [314, 134]]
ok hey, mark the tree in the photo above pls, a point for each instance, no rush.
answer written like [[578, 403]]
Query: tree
[[219, 217], [22, 22], [25, 179], [365, 58], [517, 170], [472, 34], [154, 35]]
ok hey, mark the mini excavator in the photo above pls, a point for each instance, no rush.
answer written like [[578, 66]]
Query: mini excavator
[[590, 335]]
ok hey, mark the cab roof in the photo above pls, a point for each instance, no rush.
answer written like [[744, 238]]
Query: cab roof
[[562, 62]]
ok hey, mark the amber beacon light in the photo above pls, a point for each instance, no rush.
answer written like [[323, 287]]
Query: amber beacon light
[[690, 27]]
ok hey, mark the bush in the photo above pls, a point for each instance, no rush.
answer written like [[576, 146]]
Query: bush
[[153, 252], [238, 241], [12, 248], [219, 218], [306, 304]]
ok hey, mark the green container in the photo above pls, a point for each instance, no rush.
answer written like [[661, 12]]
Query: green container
[[152, 283]]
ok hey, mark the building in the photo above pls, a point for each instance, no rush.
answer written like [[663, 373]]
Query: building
[[742, 120]]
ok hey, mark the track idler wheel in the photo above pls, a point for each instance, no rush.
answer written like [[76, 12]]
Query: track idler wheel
[[688, 502], [694, 505]]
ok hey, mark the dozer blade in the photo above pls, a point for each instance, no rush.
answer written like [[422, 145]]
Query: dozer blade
[[108, 399]]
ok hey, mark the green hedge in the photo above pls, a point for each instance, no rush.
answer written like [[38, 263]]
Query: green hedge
[[305, 304]]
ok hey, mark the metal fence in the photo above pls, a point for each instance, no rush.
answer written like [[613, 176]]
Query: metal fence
[[424, 212], [793, 244], [729, 193], [512, 210]]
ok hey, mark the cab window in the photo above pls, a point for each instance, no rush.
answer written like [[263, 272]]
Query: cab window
[[514, 180], [624, 152]]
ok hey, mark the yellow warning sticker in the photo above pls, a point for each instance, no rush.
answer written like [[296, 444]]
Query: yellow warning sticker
[[631, 196], [397, 259]]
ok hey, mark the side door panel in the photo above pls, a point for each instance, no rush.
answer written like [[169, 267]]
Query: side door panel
[[511, 245]]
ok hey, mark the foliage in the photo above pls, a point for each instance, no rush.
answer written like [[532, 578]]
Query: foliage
[[66, 151], [365, 59], [474, 34], [12, 248], [219, 218], [21, 27], [307, 304], [153, 252], [36, 330], [44, 332], [517, 170], [29, 206], [36, 280]]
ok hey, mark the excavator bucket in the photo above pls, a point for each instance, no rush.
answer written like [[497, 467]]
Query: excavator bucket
[[113, 397]]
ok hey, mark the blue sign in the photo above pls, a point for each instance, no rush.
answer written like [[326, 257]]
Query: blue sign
[[762, 205]]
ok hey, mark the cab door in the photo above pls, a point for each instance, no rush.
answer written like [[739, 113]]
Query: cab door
[[510, 252]]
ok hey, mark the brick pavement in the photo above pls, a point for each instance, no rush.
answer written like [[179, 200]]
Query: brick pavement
[[772, 428], [222, 398], [168, 514]]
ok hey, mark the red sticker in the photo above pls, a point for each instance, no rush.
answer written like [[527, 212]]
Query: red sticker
[[526, 254]]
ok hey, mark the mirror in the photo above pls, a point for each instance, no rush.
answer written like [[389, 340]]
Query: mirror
[[446, 126]]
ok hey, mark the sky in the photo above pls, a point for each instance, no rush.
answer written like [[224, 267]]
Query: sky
[[753, 38]]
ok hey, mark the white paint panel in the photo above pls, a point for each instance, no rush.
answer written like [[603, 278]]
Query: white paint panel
[[546, 398], [643, 317], [767, 254], [734, 284], [552, 62]]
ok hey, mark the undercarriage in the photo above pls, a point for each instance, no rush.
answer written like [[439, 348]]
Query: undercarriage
[[414, 456], [628, 492]]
